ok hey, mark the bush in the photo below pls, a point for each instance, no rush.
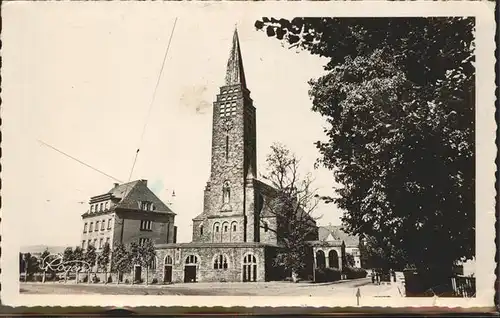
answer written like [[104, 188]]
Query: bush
[[127, 281], [354, 272], [95, 279], [154, 281], [110, 280], [327, 275]]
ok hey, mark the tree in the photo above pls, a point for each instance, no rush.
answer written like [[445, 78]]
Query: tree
[[45, 259], [121, 260], [67, 257], [148, 256], [103, 261], [349, 260], [78, 256], [399, 99], [290, 203], [135, 256], [90, 257], [30, 265]]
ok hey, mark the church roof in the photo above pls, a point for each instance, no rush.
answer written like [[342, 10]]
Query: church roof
[[335, 233], [235, 73]]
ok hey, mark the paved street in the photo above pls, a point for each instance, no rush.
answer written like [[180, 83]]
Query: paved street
[[236, 289]]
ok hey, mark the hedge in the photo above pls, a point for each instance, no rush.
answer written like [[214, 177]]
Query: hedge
[[327, 275], [354, 272]]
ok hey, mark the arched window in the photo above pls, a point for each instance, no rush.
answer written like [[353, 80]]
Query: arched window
[[225, 227], [152, 264], [191, 259], [234, 226], [226, 192], [168, 260], [220, 262], [249, 268], [227, 147]]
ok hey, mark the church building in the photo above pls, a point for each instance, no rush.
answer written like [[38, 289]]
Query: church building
[[232, 240]]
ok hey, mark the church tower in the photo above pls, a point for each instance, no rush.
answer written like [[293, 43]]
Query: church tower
[[228, 213]]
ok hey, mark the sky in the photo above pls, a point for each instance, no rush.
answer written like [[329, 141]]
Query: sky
[[83, 82]]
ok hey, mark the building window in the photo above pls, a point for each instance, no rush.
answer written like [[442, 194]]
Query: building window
[[233, 224], [83, 244], [143, 240], [146, 225], [226, 227], [226, 192], [100, 242], [266, 227], [227, 147], [106, 206], [152, 264], [107, 240], [153, 207], [95, 242], [220, 262], [201, 229], [103, 225], [97, 226], [109, 224], [216, 228], [91, 227], [191, 259], [91, 208], [85, 228]]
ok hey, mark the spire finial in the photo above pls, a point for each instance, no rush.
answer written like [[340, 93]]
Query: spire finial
[[235, 73]]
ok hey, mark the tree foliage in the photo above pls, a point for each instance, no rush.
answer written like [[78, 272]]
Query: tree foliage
[[398, 96], [103, 260], [90, 255], [349, 260], [291, 204], [121, 260]]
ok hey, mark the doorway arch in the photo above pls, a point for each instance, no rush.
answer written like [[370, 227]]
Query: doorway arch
[[167, 269], [320, 259], [333, 259], [190, 269]]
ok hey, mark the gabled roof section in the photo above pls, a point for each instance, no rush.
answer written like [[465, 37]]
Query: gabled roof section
[[235, 73], [132, 193], [326, 233]]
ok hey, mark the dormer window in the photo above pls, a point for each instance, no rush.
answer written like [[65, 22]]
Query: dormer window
[[106, 206], [145, 205], [100, 207]]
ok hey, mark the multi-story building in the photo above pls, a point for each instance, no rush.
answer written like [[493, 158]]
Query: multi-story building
[[126, 213]]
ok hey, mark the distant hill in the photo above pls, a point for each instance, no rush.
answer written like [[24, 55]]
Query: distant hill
[[39, 249]]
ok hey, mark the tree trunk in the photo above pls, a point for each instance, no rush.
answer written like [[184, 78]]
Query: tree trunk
[[147, 275], [76, 276], [295, 276], [105, 277], [117, 277], [43, 277]]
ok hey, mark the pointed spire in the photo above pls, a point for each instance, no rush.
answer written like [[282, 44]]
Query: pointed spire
[[235, 74]]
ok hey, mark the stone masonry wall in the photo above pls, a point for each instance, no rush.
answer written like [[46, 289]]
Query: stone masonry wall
[[205, 266]]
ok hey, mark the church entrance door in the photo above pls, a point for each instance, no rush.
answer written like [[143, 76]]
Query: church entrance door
[[190, 274], [167, 277], [190, 265], [137, 274]]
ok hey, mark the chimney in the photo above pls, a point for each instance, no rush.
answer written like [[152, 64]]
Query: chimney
[[144, 181], [115, 185]]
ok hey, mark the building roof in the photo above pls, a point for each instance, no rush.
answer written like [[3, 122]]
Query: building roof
[[335, 233], [130, 194], [235, 73]]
